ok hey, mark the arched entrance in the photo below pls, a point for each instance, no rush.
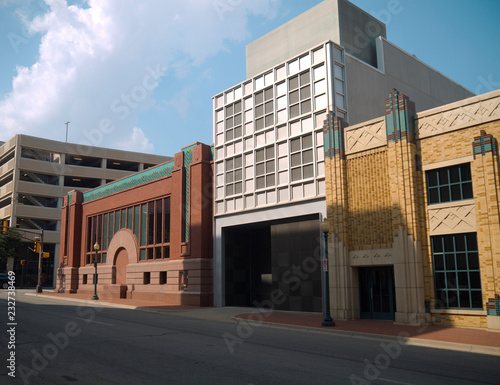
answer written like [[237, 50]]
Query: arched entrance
[[121, 262]]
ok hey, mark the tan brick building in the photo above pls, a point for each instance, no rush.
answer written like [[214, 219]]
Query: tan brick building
[[413, 209]]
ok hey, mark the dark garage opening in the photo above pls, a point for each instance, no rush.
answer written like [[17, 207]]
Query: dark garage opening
[[274, 262]]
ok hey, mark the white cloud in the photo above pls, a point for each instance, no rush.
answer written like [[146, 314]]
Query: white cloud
[[137, 141], [97, 65]]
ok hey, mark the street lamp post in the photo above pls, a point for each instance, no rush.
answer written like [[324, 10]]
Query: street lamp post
[[39, 241], [328, 321], [96, 249]]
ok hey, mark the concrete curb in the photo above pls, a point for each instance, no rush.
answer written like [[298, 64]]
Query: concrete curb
[[86, 301], [409, 341]]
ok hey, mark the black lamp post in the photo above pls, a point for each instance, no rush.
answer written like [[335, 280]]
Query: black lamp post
[[328, 321], [96, 249]]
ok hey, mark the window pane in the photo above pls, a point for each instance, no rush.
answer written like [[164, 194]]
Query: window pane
[[443, 176], [307, 156], [456, 192], [473, 261], [471, 240], [432, 178], [293, 83], [450, 261], [159, 221], [129, 218], [111, 225], [444, 193], [308, 171], [461, 261], [296, 174], [460, 243], [144, 223], [105, 233], [433, 195], [123, 219], [477, 300], [467, 190], [465, 172], [451, 280], [464, 298], [437, 244], [452, 298], [151, 223], [454, 175], [137, 221], [270, 180], [475, 280], [166, 226], [438, 262]]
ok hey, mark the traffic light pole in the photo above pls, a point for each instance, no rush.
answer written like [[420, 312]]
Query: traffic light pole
[[40, 253]]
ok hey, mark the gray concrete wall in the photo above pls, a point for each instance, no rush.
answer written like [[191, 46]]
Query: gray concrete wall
[[424, 85], [335, 20], [358, 32], [311, 28]]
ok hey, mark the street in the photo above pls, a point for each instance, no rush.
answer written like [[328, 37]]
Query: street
[[62, 342]]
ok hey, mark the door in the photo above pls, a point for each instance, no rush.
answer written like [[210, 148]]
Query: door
[[376, 288]]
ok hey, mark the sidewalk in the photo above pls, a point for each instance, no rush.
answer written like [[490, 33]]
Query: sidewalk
[[434, 336]]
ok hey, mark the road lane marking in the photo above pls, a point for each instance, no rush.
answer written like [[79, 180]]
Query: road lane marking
[[394, 382]]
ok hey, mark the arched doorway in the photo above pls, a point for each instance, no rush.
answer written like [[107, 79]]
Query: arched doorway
[[121, 262]]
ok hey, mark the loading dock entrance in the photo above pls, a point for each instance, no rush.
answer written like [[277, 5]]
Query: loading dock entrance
[[277, 261]]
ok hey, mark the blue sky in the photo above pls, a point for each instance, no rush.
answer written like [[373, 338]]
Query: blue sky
[[139, 75]]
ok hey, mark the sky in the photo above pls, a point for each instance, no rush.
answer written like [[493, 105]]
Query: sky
[[139, 75]]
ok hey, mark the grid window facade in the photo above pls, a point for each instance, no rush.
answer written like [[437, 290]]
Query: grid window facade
[[149, 222], [264, 109], [301, 158], [234, 175], [449, 184], [265, 167], [300, 94], [456, 271], [233, 122], [283, 112]]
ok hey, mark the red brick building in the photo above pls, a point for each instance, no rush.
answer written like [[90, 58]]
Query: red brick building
[[154, 231]]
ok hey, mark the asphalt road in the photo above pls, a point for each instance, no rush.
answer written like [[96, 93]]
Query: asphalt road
[[59, 342]]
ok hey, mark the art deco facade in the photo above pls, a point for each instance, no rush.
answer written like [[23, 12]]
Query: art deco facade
[[413, 203]]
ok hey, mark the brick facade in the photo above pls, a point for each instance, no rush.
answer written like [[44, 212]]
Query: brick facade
[[380, 213], [164, 231]]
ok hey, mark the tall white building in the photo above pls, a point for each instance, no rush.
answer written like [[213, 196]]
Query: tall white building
[[268, 146]]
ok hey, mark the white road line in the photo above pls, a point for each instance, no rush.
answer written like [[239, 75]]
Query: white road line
[[394, 382]]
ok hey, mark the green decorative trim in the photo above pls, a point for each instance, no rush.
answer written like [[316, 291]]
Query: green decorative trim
[[399, 118], [188, 159], [333, 136], [483, 144], [134, 180]]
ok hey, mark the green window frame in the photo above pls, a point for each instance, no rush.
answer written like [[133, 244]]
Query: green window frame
[[449, 184], [457, 277]]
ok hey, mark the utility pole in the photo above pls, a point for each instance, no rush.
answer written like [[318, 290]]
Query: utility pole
[[66, 131]]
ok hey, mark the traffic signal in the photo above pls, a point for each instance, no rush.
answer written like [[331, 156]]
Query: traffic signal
[[23, 261], [5, 226], [36, 247]]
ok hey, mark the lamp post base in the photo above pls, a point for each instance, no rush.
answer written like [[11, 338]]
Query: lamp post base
[[328, 321], [95, 297]]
